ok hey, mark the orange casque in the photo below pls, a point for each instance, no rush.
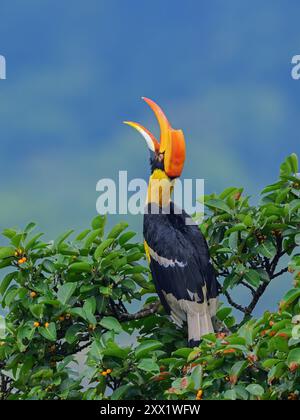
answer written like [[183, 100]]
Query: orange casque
[[172, 142]]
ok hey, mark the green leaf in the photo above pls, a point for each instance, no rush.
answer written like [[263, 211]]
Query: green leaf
[[17, 239], [65, 292], [99, 222], [290, 297], [233, 240], [297, 239], [83, 235], [80, 267], [49, 266], [6, 282], [267, 249], [113, 350], [37, 310], [255, 389], [89, 309], [126, 237], [62, 238], [218, 204], [228, 191], [9, 233], [183, 352], [223, 313], [71, 334], [253, 277], [111, 323], [49, 333], [30, 227], [197, 377], [149, 365], [293, 162], [90, 305], [230, 395], [117, 230], [147, 347], [6, 252], [120, 392], [294, 356], [237, 369], [278, 343], [269, 363], [92, 237], [237, 228], [33, 241], [102, 247]]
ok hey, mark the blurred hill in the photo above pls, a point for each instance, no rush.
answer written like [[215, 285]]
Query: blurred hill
[[76, 70]]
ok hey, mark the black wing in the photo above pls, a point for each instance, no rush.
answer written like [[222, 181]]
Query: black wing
[[179, 257]]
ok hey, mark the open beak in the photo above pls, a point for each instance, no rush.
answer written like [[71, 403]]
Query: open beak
[[172, 143]]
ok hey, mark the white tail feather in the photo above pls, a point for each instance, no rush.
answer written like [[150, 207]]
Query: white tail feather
[[199, 325]]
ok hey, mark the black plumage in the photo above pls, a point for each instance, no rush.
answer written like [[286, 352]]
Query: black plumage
[[179, 262]]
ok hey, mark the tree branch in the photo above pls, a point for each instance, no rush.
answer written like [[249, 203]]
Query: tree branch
[[234, 304], [284, 270], [143, 313], [248, 287]]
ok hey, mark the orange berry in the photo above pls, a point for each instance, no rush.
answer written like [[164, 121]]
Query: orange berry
[[33, 295], [104, 373], [36, 324], [161, 377], [109, 371], [184, 383], [229, 351], [199, 395], [293, 367], [61, 318], [233, 379], [283, 335], [47, 324], [252, 358]]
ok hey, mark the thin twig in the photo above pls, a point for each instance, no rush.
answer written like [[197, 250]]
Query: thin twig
[[284, 270], [149, 310], [234, 304], [248, 287]]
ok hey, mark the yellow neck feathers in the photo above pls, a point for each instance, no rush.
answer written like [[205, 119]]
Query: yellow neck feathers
[[160, 188]]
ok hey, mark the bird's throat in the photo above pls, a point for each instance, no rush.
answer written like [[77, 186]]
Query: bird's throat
[[160, 188]]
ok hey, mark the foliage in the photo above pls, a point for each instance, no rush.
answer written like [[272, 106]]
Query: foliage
[[67, 310]]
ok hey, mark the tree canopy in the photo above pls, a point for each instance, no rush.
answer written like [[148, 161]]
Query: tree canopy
[[83, 321]]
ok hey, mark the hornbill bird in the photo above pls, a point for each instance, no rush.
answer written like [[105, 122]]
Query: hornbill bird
[[176, 250]]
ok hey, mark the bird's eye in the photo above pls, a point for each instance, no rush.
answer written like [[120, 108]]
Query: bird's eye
[[160, 157]]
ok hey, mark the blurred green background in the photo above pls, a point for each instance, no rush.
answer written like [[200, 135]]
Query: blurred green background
[[76, 70]]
